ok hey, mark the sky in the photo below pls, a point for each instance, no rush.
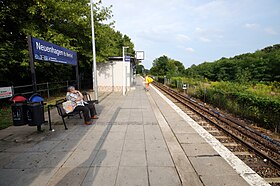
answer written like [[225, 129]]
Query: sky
[[195, 31]]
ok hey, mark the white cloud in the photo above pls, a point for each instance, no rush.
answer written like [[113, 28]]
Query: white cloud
[[199, 30], [270, 31], [204, 39], [189, 49], [251, 25], [156, 26], [182, 38], [216, 8]]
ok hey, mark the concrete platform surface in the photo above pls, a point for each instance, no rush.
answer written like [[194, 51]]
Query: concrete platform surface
[[139, 139]]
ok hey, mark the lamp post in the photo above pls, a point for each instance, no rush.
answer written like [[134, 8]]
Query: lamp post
[[113, 81], [124, 75], [94, 72]]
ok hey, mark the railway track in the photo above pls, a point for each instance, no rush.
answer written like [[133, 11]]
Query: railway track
[[256, 149]]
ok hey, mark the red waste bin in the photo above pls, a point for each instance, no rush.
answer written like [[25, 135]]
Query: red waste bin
[[19, 110]]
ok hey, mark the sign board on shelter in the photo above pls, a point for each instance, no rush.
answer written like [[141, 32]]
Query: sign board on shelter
[[6, 92], [45, 51], [139, 55], [127, 58]]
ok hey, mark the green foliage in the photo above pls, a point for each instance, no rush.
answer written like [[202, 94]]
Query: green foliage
[[247, 85], [65, 23], [263, 65], [258, 102], [164, 66], [5, 115], [140, 69]]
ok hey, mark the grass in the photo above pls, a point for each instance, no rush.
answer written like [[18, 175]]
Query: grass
[[5, 117]]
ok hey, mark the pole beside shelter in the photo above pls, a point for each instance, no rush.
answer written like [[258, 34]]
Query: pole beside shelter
[[94, 70]]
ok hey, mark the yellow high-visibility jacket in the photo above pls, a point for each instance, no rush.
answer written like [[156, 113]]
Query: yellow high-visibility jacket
[[149, 79]]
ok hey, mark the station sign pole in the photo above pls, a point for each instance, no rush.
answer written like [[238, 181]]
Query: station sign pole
[[32, 66], [124, 74]]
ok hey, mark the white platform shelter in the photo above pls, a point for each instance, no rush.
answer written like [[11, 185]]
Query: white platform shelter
[[110, 74]]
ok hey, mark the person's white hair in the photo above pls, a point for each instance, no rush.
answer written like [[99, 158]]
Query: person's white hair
[[70, 88]]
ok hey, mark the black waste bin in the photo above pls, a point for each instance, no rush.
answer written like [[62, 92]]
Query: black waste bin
[[35, 110], [19, 110]]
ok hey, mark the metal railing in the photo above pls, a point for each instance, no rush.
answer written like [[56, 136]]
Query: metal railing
[[46, 88]]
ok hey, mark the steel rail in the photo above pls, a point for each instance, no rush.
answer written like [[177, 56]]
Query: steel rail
[[198, 108]]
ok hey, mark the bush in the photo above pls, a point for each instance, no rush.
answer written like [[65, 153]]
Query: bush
[[259, 102]]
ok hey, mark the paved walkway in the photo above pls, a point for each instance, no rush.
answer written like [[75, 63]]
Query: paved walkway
[[138, 140]]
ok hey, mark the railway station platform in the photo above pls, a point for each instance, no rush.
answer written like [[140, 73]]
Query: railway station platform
[[139, 139]]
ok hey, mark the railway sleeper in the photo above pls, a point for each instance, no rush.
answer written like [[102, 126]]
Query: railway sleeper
[[272, 180], [243, 153], [231, 144]]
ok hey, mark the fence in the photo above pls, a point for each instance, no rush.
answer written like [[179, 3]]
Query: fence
[[43, 88], [47, 89]]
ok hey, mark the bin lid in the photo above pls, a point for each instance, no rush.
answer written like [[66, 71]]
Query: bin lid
[[18, 98], [36, 98]]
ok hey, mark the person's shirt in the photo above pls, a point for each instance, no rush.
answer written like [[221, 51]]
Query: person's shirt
[[73, 97], [146, 79]]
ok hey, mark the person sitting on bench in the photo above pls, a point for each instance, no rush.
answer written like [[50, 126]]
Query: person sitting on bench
[[88, 109]]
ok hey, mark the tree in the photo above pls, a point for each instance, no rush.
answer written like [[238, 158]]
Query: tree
[[65, 23], [164, 66], [140, 69], [262, 65]]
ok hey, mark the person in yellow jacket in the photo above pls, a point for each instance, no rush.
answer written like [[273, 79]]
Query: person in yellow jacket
[[148, 80]]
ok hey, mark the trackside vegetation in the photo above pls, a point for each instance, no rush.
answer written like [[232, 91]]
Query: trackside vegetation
[[257, 102], [247, 85]]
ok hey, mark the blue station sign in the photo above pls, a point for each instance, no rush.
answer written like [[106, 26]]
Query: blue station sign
[[127, 58], [45, 51]]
